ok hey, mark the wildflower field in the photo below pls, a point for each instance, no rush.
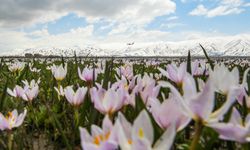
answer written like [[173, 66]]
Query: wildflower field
[[127, 104]]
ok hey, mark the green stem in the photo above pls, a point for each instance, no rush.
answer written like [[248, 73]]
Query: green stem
[[76, 117], [10, 140], [58, 87], [246, 146], [196, 138]]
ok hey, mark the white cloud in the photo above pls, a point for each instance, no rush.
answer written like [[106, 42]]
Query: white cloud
[[171, 25], [14, 13], [172, 18], [39, 33], [85, 36], [225, 7], [12, 40], [126, 18], [223, 10], [232, 2], [29, 11], [247, 5], [199, 11]]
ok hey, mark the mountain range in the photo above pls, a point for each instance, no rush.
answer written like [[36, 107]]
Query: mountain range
[[220, 46]]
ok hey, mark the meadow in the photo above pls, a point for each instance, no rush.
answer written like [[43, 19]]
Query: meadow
[[129, 104]]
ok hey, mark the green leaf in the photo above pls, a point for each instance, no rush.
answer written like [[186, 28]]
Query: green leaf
[[211, 63], [189, 69]]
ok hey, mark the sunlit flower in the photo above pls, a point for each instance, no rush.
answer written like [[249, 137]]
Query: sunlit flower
[[35, 70], [198, 68], [244, 90], [59, 72], [234, 130], [16, 66], [88, 74], [147, 88], [140, 135], [100, 139], [108, 101], [223, 79], [18, 91], [60, 91], [30, 90], [168, 112], [174, 73], [129, 89], [75, 98], [12, 120], [158, 76], [125, 71], [200, 105], [32, 83]]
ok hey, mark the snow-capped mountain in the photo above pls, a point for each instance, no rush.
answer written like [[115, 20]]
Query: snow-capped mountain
[[233, 46]]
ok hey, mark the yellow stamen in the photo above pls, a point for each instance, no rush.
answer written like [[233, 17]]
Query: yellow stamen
[[101, 138], [107, 136], [96, 140], [126, 86], [9, 115], [141, 133], [129, 141], [11, 119]]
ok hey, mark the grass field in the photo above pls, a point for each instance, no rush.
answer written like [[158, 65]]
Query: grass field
[[121, 103]]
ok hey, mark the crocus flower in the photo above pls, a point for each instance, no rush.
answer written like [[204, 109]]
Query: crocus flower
[[75, 98], [110, 101], [174, 73], [244, 90], [18, 91], [130, 83], [157, 76], [60, 91], [32, 83], [223, 79], [12, 120], [30, 90], [17, 66], [100, 139], [200, 105], [144, 81], [147, 88], [30, 93], [129, 88], [59, 72], [125, 71], [198, 68], [140, 135], [88, 74], [35, 70], [149, 91], [234, 130], [168, 112]]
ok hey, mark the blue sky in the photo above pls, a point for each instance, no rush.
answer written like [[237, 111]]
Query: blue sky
[[108, 22]]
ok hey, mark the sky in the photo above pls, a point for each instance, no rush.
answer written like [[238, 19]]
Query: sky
[[114, 23]]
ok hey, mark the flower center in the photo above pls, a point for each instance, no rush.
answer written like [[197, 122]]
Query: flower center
[[11, 119], [129, 141], [101, 138], [141, 133]]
